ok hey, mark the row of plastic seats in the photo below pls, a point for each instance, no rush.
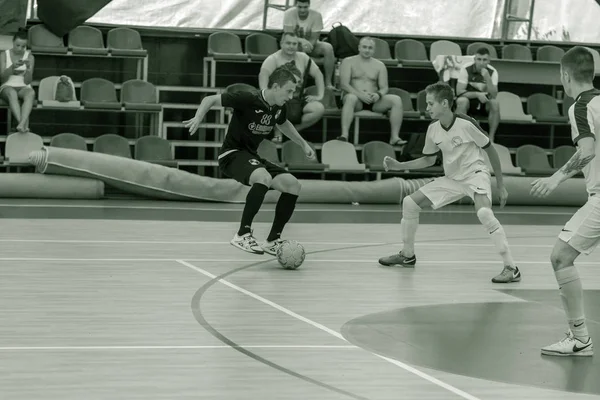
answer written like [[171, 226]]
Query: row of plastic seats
[[121, 42], [228, 46], [99, 93]]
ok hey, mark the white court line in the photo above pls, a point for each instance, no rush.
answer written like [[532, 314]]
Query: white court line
[[49, 348], [328, 210], [317, 325], [432, 244]]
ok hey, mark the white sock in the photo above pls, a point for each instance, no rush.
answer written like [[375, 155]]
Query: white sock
[[571, 294], [492, 226], [409, 225]]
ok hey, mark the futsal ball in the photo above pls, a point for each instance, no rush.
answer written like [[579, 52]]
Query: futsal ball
[[290, 254]]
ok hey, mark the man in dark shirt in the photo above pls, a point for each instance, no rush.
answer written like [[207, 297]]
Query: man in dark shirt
[[255, 115], [477, 88]]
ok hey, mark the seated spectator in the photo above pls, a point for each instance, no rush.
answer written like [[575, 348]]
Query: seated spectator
[[477, 88], [364, 84], [307, 24], [16, 66], [302, 111]]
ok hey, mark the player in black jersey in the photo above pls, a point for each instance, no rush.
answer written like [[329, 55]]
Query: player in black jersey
[[255, 115]]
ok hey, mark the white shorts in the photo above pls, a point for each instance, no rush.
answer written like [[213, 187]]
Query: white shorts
[[582, 231], [444, 190]]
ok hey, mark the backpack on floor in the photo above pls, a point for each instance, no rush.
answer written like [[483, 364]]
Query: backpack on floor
[[344, 43]]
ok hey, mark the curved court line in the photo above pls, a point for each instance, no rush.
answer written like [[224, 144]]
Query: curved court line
[[198, 315]]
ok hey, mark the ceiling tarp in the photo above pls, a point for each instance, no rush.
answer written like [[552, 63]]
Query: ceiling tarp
[[61, 16], [13, 15]]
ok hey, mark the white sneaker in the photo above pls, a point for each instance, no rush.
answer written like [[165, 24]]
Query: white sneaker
[[247, 243], [271, 247], [570, 346]]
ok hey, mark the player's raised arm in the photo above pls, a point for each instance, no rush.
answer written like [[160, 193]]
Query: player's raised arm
[[430, 151], [207, 103], [287, 128]]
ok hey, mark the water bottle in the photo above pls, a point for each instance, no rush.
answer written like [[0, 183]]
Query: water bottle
[[336, 76]]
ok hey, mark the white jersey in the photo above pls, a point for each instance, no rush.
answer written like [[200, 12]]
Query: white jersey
[[584, 116], [461, 145]]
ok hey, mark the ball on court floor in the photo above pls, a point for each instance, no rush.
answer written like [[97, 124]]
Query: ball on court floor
[[290, 254]]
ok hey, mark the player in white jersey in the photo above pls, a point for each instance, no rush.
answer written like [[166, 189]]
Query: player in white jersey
[[462, 142], [581, 234]]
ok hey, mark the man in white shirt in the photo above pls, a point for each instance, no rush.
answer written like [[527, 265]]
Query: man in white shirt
[[302, 111], [307, 24], [462, 143]]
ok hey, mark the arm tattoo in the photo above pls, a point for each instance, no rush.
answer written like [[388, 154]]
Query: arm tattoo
[[576, 163]]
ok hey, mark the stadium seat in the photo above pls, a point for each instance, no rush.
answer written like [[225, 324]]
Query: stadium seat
[[240, 87], [225, 46], [444, 48], [567, 103], [382, 52], [112, 144], [549, 53], [6, 42], [19, 145], [506, 163], [47, 94], [268, 150], [561, 155], [374, 152], [341, 156], [155, 150], [533, 160], [125, 42], [411, 53], [473, 47], [422, 103], [87, 40], [140, 95], [516, 52], [294, 158], [99, 94], [260, 45], [407, 105], [511, 108], [68, 141], [596, 56], [328, 100], [41, 40], [544, 108]]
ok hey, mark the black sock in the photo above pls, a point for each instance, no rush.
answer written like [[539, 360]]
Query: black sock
[[254, 201], [283, 212]]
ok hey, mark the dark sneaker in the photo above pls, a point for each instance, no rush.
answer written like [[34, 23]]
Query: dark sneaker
[[398, 259]]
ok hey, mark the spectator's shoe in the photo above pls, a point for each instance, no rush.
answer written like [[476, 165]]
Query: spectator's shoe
[[508, 275], [398, 259], [570, 346], [342, 138], [271, 247], [247, 243]]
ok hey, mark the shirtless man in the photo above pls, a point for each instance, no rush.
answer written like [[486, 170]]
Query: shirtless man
[[364, 82]]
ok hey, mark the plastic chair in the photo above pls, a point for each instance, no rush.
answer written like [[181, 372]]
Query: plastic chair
[[240, 87], [260, 45], [112, 144], [140, 95], [125, 42], [155, 150], [69, 141], [410, 52], [98, 93], [506, 163], [225, 46], [341, 156], [47, 94], [561, 155], [328, 100], [374, 152], [544, 108], [516, 52], [444, 48], [382, 52], [511, 108], [549, 53], [41, 40], [87, 40], [407, 105], [268, 150], [473, 47], [20, 145], [294, 158], [533, 160]]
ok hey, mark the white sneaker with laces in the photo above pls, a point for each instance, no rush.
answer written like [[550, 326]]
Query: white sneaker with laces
[[247, 242], [570, 346], [271, 247]]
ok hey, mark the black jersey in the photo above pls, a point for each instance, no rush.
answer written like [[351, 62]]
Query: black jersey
[[253, 120]]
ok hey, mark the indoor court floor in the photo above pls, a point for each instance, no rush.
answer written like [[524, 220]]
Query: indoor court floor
[[148, 300]]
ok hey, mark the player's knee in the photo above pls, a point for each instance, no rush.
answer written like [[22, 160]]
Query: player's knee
[[287, 183], [410, 209], [487, 218], [559, 260], [260, 175]]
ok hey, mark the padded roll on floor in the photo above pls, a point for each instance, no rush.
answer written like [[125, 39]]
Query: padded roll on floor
[[36, 186]]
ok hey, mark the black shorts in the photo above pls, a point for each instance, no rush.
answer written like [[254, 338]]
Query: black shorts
[[477, 108], [240, 164]]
